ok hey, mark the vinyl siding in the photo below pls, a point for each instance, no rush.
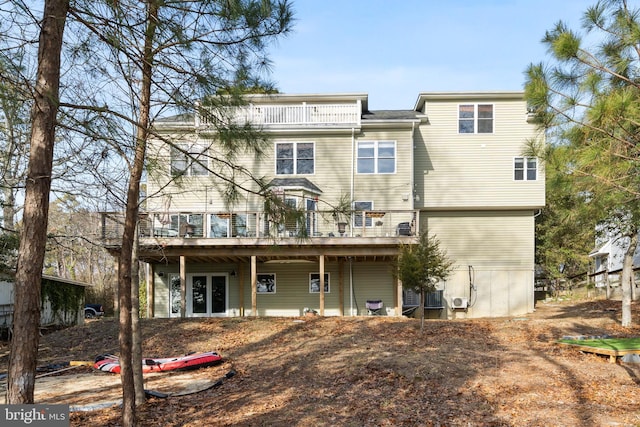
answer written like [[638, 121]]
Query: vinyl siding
[[292, 294], [388, 191], [368, 281], [371, 281], [333, 164], [494, 251], [474, 170]]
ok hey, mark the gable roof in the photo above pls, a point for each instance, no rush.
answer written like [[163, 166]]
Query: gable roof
[[423, 97]]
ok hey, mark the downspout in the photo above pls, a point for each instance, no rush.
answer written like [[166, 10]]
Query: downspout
[[353, 171], [412, 188]]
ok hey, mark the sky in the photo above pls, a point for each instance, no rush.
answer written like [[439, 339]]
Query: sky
[[393, 50]]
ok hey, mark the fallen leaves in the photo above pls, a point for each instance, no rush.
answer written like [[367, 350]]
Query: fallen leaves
[[382, 371]]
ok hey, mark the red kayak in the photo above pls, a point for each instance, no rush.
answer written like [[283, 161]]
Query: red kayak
[[111, 363]]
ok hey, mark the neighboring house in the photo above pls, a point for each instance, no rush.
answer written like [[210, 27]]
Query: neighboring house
[[63, 302], [452, 166], [608, 257]]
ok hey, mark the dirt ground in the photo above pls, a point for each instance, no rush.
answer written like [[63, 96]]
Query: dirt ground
[[376, 371]]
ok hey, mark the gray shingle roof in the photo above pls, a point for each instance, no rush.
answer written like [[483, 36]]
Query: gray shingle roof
[[390, 115]]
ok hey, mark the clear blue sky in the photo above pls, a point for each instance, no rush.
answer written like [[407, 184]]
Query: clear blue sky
[[395, 49]]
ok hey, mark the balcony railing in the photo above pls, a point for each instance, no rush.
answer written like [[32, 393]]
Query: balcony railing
[[290, 115], [252, 225]]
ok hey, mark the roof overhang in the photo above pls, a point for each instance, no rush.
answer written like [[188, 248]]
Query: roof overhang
[[602, 250], [402, 123], [466, 96]]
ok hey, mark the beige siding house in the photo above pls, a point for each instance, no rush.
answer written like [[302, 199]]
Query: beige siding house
[[453, 166]]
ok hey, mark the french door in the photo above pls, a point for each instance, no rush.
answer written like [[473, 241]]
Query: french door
[[207, 294]]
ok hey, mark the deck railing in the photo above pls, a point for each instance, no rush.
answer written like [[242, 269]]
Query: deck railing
[[297, 115], [252, 225]]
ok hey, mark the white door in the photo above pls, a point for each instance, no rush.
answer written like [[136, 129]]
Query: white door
[[207, 294]]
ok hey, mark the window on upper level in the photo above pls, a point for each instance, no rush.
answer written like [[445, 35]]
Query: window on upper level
[[377, 157], [475, 118], [189, 160], [525, 169], [295, 158]]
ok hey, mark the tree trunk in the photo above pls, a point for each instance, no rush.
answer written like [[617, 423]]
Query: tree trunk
[[136, 333], [422, 300], [9, 208], [26, 316], [124, 335], [131, 221], [627, 280]]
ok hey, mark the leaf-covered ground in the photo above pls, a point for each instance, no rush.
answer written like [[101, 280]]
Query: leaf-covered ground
[[381, 371]]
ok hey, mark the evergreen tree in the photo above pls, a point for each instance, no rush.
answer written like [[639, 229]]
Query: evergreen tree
[[421, 266], [589, 97], [564, 236]]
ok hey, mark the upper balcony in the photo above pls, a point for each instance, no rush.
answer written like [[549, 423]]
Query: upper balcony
[[290, 116]]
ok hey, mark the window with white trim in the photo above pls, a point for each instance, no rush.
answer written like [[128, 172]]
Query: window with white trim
[[360, 207], [314, 283], [525, 169], [295, 158], [376, 157], [189, 160], [475, 118]]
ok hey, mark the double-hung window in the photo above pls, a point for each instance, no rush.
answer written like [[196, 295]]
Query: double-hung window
[[189, 160], [359, 217], [475, 118], [525, 169], [295, 158], [376, 157]]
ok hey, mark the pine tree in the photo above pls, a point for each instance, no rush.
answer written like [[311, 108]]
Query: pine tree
[[421, 266], [588, 100]]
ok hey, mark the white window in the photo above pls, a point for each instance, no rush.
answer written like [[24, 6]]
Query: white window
[[189, 160], [475, 118], [360, 208], [314, 283], [295, 158], [266, 283], [377, 157], [525, 169]]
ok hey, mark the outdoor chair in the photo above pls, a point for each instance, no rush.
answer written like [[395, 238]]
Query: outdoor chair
[[374, 307]]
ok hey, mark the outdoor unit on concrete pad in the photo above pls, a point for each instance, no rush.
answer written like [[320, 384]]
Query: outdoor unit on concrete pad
[[459, 302]]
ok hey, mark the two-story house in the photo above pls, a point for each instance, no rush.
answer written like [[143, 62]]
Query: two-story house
[[452, 166]]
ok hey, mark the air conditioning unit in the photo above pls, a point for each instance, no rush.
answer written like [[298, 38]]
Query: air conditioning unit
[[459, 302]]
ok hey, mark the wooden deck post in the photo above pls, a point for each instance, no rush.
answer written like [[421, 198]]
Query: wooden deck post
[[240, 277], [398, 297], [254, 287], [321, 285], [341, 286], [183, 286], [151, 290]]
